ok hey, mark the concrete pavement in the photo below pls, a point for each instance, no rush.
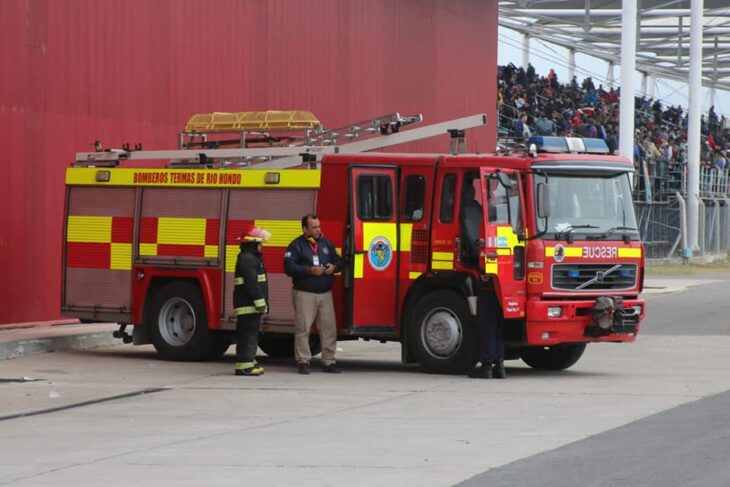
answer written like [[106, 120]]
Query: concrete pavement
[[378, 423], [121, 415]]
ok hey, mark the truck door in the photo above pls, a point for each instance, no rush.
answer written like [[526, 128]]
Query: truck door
[[504, 251], [375, 248]]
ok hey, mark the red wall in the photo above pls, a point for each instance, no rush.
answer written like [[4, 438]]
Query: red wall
[[134, 71]]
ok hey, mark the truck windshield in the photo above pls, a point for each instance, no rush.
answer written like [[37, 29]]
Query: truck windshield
[[589, 206]]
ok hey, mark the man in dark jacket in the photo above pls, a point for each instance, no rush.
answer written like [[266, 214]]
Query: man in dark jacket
[[311, 261], [250, 299], [490, 325]]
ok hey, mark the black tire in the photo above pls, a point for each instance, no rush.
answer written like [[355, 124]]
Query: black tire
[[221, 343], [177, 323], [559, 357], [281, 345], [442, 334]]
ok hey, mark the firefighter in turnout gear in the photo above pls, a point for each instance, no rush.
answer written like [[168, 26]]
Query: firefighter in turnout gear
[[250, 299]]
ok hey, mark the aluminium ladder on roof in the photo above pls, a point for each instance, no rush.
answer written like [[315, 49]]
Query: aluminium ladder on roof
[[293, 156]]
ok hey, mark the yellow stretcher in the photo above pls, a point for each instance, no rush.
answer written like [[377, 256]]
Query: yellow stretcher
[[251, 121]]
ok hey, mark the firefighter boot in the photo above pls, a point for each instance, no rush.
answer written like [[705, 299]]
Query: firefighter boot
[[498, 370], [481, 372], [249, 368]]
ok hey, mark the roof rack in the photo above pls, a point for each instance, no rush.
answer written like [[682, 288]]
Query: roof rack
[[374, 134]]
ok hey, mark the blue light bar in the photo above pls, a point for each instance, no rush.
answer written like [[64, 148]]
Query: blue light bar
[[566, 145], [596, 146], [548, 144]]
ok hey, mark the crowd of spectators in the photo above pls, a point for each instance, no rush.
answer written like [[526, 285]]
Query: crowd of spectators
[[530, 104]]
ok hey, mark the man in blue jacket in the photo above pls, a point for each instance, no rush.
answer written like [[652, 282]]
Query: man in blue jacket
[[311, 261]]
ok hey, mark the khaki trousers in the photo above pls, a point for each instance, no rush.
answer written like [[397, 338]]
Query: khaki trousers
[[311, 308]]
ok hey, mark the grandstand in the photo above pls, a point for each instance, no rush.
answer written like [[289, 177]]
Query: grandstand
[[672, 150], [531, 103]]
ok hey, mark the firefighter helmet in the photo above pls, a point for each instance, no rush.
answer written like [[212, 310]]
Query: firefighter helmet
[[254, 234]]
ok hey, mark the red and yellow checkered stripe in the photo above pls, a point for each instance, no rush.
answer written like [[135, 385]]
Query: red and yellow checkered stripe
[[179, 237], [99, 242], [105, 242]]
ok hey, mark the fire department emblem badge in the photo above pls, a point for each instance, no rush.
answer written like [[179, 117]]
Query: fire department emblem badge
[[559, 253], [380, 253]]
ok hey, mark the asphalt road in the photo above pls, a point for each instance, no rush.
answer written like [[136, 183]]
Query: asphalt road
[[699, 310], [652, 413], [685, 446]]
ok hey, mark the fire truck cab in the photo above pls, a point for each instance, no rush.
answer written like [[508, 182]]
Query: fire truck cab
[[549, 229], [552, 233]]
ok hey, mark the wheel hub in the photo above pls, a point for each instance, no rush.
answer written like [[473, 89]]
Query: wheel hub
[[177, 322], [441, 333]]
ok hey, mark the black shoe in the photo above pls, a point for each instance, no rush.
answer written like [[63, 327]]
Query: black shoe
[[331, 369], [480, 373], [498, 370], [303, 369]]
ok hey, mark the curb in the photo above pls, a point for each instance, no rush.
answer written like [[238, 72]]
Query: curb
[[33, 346]]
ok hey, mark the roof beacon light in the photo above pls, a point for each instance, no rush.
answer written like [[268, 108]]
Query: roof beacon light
[[565, 145]]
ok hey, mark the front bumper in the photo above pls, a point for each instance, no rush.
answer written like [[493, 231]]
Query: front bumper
[[576, 323]]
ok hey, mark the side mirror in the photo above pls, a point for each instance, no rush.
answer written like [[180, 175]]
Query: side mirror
[[543, 196], [505, 180]]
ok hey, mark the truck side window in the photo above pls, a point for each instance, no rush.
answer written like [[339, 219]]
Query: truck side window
[[504, 204], [414, 197], [374, 197], [448, 195]]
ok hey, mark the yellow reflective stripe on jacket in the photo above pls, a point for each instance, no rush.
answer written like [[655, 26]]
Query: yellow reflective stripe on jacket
[[246, 310], [259, 303], [239, 280]]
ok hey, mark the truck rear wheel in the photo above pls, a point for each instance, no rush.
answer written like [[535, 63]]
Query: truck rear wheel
[[221, 343], [558, 357], [178, 325], [442, 334], [281, 345]]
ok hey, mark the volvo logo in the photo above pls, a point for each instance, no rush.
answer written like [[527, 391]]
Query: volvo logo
[[600, 277]]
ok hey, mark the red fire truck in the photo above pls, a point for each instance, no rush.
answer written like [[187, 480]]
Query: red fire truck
[[550, 227]]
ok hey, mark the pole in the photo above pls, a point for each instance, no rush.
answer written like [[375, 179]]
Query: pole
[[694, 132], [609, 75], [525, 50], [628, 68], [571, 64]]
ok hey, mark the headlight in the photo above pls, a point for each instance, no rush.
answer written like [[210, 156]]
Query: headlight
[[555, 311]]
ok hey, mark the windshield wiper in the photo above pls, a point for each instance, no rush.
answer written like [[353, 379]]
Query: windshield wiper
[[567, 232], [612, 230]]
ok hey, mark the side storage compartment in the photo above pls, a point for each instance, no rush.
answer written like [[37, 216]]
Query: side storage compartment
[[97, 253]]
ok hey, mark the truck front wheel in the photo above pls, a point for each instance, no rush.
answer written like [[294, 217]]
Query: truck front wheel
[[177, 323], [558, 357], [442, 334]]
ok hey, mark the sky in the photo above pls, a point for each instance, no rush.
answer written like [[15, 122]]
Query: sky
[[544, 56]]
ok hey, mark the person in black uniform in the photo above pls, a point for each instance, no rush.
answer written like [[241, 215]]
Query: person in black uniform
[[489, 323], [250, 299]]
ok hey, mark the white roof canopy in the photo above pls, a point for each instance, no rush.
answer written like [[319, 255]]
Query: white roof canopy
[[593, 27]]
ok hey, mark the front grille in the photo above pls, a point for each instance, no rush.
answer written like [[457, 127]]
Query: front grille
[[576, 276]]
